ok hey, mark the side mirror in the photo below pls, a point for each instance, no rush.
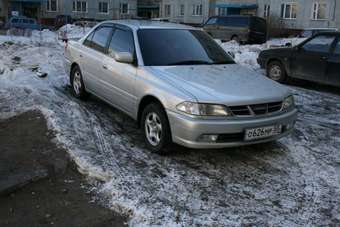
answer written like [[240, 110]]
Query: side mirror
[[123, 57]]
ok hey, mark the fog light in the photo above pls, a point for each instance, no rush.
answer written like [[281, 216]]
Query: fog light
[[208, 138]]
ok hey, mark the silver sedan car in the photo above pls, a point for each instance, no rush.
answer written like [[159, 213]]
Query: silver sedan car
[[179, 85]]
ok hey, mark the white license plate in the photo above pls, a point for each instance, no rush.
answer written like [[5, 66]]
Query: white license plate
[[263, 132]]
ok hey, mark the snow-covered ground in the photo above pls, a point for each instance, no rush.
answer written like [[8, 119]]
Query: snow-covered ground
[[293, 182]]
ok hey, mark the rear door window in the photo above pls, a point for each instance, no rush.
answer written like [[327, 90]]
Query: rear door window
[[320, 44], [88, 40]]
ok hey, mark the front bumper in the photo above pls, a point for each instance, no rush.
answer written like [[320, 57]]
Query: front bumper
[[186, 130]]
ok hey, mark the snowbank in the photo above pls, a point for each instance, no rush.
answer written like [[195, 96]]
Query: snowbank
[[36, 37], [73, 31], [247, 54]]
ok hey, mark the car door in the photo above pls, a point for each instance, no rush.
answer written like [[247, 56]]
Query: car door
[[309, 61], [91, 55], [121, 77], [333, 65]]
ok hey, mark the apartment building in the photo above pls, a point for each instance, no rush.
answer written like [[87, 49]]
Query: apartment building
[[148, 8], [301, 14], [233, 7], [47, 10], [198, 11]]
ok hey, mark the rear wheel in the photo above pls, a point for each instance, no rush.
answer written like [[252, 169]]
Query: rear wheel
[[155, 125], [78, 88], [276, 71]]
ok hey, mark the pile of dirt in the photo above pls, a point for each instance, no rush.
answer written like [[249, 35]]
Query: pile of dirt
[[39, 186]]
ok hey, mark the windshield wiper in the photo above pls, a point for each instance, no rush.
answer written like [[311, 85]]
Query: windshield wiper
[[191, 62]]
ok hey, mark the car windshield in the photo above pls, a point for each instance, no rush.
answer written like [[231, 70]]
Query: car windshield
[[162, 47]]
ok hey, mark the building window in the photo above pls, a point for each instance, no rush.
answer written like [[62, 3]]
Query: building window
[[103, 7], [197, 10], [167, 10], [319, 11], [266, 10], [80, 6], [222, 11], [289, 10], [181, 10], [123, 8], [52, 5]]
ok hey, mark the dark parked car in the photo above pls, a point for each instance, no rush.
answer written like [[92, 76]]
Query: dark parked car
[[23, 23], [245, 29], [62, 20], [316, 59]]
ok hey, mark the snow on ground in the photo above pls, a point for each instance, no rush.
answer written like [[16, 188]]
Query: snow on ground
[[293, 182], [73, 31]]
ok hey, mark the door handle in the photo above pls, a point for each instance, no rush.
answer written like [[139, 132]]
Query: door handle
[[104, 66]]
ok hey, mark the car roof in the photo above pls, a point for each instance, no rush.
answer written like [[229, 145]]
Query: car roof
[[148, 24], [236, 16]]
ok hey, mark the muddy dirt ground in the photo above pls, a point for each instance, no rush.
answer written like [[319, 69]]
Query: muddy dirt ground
[[39, 186]]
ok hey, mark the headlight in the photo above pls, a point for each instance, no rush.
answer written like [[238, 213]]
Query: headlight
[[288, 102], [203, 109]]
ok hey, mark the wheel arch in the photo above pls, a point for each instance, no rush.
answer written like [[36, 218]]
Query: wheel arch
[[146, 100], [73, 65]]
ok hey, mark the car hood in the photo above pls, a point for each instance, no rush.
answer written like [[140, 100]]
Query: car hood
[[227, 84]]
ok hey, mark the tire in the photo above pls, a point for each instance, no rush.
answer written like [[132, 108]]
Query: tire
[[154, 119], [77, 84], [276, 72]]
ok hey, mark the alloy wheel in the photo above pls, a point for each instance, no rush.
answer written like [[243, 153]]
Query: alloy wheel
[[153, 129]]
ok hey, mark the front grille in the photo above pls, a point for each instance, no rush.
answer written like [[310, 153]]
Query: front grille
[[257, 109]]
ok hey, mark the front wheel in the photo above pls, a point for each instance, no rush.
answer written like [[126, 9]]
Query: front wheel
[[276, 71], [157, 134]]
